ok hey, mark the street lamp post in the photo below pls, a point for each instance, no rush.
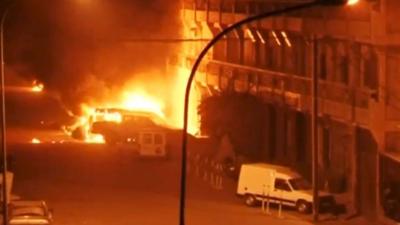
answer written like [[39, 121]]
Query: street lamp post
[[314, 97], [3, 121], [314, 128]]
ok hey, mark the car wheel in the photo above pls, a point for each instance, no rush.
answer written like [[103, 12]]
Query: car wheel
[[250, 200], [303, 206]]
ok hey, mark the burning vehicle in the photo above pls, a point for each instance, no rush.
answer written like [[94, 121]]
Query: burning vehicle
[[140, 131], [128, 110], [123, 126]]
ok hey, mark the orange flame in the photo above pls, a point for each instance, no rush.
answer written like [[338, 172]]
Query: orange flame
[[37, 87], [166, 104], [113, 117], [137, 101], [178, 94], [352, 2], [35, 141], [84, 122]]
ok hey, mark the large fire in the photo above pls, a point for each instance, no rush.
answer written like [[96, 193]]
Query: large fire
[[137, 101], [167, 105]]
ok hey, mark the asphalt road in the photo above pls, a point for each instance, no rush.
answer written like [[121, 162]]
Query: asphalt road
[[95, 184]]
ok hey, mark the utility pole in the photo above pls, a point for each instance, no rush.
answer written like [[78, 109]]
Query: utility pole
[[314, 127]]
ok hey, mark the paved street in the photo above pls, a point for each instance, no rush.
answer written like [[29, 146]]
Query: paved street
[[95, 184]]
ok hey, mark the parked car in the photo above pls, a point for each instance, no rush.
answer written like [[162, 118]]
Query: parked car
[[279, 185], [29, 212]]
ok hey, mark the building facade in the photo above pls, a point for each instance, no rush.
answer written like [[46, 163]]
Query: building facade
[[358, 64]]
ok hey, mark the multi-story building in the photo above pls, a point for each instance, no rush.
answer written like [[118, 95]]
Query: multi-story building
[[358, 64]]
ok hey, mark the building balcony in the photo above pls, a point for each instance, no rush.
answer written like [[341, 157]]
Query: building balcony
[[339, 101]]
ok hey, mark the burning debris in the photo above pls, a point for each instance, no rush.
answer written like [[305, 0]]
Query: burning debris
[[35, 141], [37, 86]]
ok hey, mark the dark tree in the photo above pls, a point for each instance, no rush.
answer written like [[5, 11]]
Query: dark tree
[[239, 115]]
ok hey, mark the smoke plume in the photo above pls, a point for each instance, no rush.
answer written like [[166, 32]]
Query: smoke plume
[[83, 49]]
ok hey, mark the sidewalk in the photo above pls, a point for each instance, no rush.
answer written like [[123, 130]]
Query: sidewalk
[[346, 220], [353, 221]]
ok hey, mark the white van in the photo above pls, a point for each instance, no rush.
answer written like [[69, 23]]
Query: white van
[[278, 184], [145, 143], [152, 143]]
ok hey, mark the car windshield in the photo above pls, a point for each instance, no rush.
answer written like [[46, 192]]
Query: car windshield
[[300, 184]]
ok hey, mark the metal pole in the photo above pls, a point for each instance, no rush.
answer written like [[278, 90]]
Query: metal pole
[[314, 128], [3, 122], [196, 64]]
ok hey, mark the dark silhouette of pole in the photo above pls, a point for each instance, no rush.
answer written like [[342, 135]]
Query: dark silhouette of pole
[[196, 65], [3, 122], [314, 129]]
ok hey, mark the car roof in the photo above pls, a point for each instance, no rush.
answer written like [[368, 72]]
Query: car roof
[[280, 171], [27, 203], [24, 221]]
